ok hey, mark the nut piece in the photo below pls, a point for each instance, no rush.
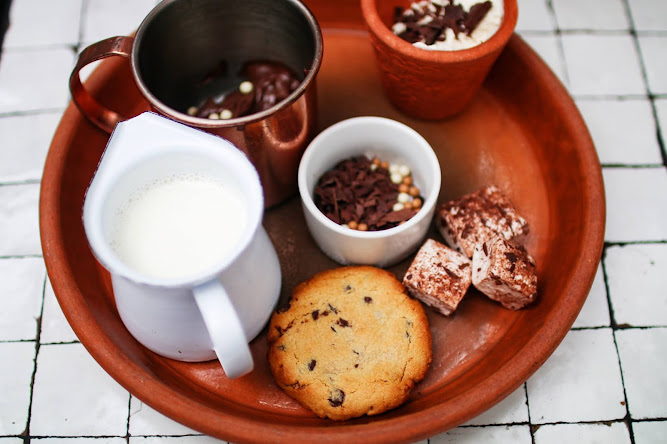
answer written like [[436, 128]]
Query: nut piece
[[477, 217], [438, 276], [504, 272]]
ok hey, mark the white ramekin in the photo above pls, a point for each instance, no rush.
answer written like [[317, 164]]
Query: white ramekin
[[393, 142]]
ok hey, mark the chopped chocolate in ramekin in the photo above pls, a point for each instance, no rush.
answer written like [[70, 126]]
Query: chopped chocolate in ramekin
[[363, 194]]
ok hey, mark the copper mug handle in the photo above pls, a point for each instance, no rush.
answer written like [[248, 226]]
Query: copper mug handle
[[99, 115]]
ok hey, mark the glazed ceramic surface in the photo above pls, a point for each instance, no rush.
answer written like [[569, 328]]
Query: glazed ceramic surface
[[390, 141], [521, 132], [197, 317]]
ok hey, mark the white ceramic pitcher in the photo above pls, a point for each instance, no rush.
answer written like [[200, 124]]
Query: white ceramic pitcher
[[212, 313]]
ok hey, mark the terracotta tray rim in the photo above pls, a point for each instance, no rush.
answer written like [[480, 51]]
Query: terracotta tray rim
[[409, 426]]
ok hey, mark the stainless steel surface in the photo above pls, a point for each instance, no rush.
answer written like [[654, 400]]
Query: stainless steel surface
[[181, 41]]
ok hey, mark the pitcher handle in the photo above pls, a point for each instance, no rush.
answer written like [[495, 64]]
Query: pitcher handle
[[224, 328], [96, 113]]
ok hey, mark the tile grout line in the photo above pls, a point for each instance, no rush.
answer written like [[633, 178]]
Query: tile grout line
[[632, 166], [601, 422], [620, 327], [26, 433], [62, 343], [615, 327], [612, 319], [22, 256], [82, 18], [533, 428], [619, 97], [625, 243], [21, 182], [32, 112], [129, 417], [642, 67], [559, 43]]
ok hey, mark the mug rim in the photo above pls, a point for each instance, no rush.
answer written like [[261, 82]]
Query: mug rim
[[105, 253], [201, 122]]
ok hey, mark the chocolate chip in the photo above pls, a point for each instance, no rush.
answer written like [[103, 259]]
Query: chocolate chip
[[333, 329], [429, 24], [353, 193], [336, 398], [486, 252], [475, 15], [368, 299], [348, 288], [216, 72], [398, 12], [332, 308], [281, 331], [511, 257], [409, 276], [272, 83], [454, 18], [311, 365], [395, 217], [451, 274], [343, 323], [464, 265]]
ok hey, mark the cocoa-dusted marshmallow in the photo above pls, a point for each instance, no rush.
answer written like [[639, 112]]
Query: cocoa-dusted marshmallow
[[475, 218], [438, 276], [504, 272]]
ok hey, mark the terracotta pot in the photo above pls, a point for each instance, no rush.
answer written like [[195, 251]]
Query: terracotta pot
[[429, 84]]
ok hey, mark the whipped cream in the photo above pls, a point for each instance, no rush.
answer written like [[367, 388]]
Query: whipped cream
[[427, 11]]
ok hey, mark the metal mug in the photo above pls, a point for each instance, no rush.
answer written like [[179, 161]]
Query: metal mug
[[180, 41]]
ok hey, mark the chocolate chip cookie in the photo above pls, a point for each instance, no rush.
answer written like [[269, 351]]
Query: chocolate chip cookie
[[352, 342]]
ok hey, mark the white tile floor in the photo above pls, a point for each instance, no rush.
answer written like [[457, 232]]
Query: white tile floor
[[606, 382]]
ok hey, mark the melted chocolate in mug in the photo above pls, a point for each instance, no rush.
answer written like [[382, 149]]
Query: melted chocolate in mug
[[271, 81]]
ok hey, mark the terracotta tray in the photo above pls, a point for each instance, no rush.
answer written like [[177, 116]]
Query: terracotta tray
[[522, 132]]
